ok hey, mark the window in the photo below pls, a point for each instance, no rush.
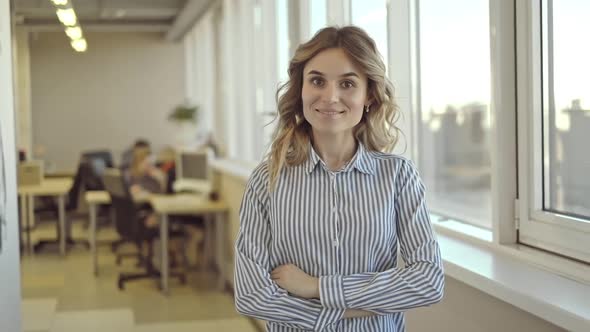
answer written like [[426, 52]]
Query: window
[[371, 15], [555, 210], [318, 15], [454, 108], [566, 108], [283, 44]]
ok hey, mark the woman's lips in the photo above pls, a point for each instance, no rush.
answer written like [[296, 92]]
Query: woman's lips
[[329, 112]]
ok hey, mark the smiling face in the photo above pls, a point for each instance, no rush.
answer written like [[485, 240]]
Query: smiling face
[[334, 93]]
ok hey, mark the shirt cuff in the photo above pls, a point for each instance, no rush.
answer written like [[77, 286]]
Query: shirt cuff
[[328, 319], [331, 292]]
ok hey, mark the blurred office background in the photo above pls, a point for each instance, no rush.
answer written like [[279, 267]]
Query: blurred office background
[[495, 112]]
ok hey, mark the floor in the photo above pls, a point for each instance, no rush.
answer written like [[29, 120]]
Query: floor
[[62, 295]]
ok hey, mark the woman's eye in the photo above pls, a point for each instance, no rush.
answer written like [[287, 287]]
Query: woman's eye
[[317, 81], [347, 84]]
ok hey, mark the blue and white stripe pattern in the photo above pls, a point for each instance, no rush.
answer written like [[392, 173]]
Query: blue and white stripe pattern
[[345, 228]]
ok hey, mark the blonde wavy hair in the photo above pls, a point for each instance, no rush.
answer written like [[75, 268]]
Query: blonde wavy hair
[[376, 131], [140, 154]]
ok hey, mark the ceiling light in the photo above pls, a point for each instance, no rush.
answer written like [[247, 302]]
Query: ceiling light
[[60, 2], [67, 16], [79, 45], [74, 32]]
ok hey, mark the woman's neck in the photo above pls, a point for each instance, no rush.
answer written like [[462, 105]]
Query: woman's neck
[[335, 150]]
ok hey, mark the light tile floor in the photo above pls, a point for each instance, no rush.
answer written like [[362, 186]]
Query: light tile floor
[[63, 295]]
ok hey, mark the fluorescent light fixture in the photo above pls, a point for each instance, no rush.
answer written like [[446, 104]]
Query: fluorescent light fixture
[[60, 2], [67, 16], [74, 32], [79, 45]]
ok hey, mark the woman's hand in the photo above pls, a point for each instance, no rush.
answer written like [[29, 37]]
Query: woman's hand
[[292, 279]]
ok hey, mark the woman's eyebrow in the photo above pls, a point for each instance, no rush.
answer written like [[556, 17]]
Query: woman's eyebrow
[[315, 72]]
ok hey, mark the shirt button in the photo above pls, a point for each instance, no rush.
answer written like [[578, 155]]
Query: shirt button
[[335, 243]]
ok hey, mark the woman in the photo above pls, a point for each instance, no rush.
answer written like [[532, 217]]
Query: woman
[[145, 179], [323, 216]]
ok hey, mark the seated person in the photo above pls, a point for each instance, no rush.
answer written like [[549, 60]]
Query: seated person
[[144, 179], [127, 157], [167, 164]]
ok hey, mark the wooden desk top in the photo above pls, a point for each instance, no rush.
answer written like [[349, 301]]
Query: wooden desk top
[[60, 174], [97, 197], [186, 204], [51, 186]]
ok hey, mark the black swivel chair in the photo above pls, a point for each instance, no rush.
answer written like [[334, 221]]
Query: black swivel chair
[[130, 226], [99, 161]]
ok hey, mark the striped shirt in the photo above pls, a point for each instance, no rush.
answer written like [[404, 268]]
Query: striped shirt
[[345, 228]]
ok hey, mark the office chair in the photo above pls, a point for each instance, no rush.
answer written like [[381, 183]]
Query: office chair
[[130, 226], [99, 161]]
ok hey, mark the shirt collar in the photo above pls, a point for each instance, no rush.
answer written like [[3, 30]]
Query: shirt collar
[[362, 161]]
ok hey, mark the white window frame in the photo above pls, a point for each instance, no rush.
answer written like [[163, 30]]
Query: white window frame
[[245, 91], [266, 76], [338, 12], [561, 234], [402, 72], [220, 124], [228, 71]]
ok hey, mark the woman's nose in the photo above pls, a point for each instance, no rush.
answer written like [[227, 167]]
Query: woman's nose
[[330, 93]]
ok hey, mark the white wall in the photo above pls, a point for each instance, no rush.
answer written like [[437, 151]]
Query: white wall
[[466, 309], [9, 239], [122, 88], [22, 79]]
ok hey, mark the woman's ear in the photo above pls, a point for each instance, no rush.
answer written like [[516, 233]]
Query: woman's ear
[[367, 106], [370, 100]]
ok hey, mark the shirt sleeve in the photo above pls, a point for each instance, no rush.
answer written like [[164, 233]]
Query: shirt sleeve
[[256, 294], [419, 283]]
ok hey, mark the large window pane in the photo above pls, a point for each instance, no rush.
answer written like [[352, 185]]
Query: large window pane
[[283, 40], [454, 101], [566, 107], [371, 15], [318, 15]]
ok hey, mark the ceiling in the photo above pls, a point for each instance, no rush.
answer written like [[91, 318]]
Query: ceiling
[[109, 15]]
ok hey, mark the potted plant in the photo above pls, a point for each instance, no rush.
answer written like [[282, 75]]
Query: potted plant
[[186, 116], [184, 113]]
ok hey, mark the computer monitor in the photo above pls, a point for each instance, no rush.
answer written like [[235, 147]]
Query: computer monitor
[[192, 172], [193, 165]]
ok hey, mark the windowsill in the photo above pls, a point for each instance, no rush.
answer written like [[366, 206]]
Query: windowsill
[[550, 287], [236, 168], [500, 272], [461, 228]]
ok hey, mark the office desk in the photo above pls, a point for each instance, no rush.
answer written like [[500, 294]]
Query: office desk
[[58, 187], [186, 204], [60, 174], [94, 199]]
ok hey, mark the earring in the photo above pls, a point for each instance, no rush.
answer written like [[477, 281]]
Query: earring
[[366, 109]]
